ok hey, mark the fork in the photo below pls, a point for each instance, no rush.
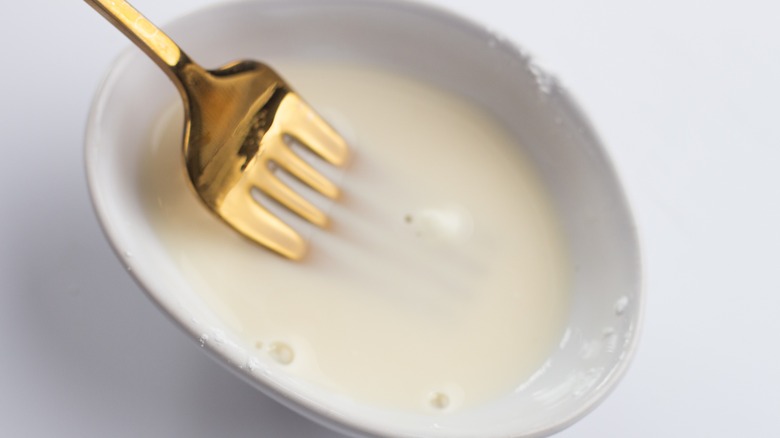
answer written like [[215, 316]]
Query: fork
[[239, 122]]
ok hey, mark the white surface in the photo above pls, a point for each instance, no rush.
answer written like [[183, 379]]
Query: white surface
[[683, 94]]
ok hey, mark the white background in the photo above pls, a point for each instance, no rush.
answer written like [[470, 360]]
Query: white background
[[684, 94]]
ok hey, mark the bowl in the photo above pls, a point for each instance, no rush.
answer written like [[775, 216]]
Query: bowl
[[602, 325]]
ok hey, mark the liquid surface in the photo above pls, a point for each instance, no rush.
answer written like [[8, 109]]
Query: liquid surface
[[443, 279]]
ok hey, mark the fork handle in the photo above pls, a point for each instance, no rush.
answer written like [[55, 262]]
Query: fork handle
[[153, 41]]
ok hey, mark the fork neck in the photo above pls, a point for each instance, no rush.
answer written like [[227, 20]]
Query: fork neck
[[153, 41]]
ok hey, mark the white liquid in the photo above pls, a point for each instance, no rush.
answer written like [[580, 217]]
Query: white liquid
[[442, 282]]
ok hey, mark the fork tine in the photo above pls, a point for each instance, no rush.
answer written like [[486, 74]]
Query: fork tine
[[296, 166], [269, 184], [311, 130], [258, 224]]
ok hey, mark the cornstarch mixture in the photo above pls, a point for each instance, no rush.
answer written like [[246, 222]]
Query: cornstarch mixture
[[443, 280]]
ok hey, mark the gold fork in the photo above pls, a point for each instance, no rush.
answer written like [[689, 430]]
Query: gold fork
[[238, 122]]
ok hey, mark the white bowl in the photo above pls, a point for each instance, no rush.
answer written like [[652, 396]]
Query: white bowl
[[606, 311]]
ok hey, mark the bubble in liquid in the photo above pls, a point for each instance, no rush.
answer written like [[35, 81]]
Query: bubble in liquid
[[443, 225], [281, 353], [439, 400], [621, 305]]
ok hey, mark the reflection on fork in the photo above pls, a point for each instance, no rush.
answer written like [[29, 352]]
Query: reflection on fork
[[239, 120]]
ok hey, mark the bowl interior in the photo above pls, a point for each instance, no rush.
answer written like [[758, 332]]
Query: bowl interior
[[436, 47]]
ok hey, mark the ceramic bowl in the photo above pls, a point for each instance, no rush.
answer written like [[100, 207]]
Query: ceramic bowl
[[403, 36]]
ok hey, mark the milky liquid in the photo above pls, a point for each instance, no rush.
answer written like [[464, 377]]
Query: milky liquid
[[443, 280]]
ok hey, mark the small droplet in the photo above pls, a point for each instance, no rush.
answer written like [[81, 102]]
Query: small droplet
[[545, 81], [204, 338], [439, 400], [565, 340], [494, 39], [252, 364], [610, 340], [219, 337], [128, 254], [590, 350], [282, 353], [621, 305], [584, 382]]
